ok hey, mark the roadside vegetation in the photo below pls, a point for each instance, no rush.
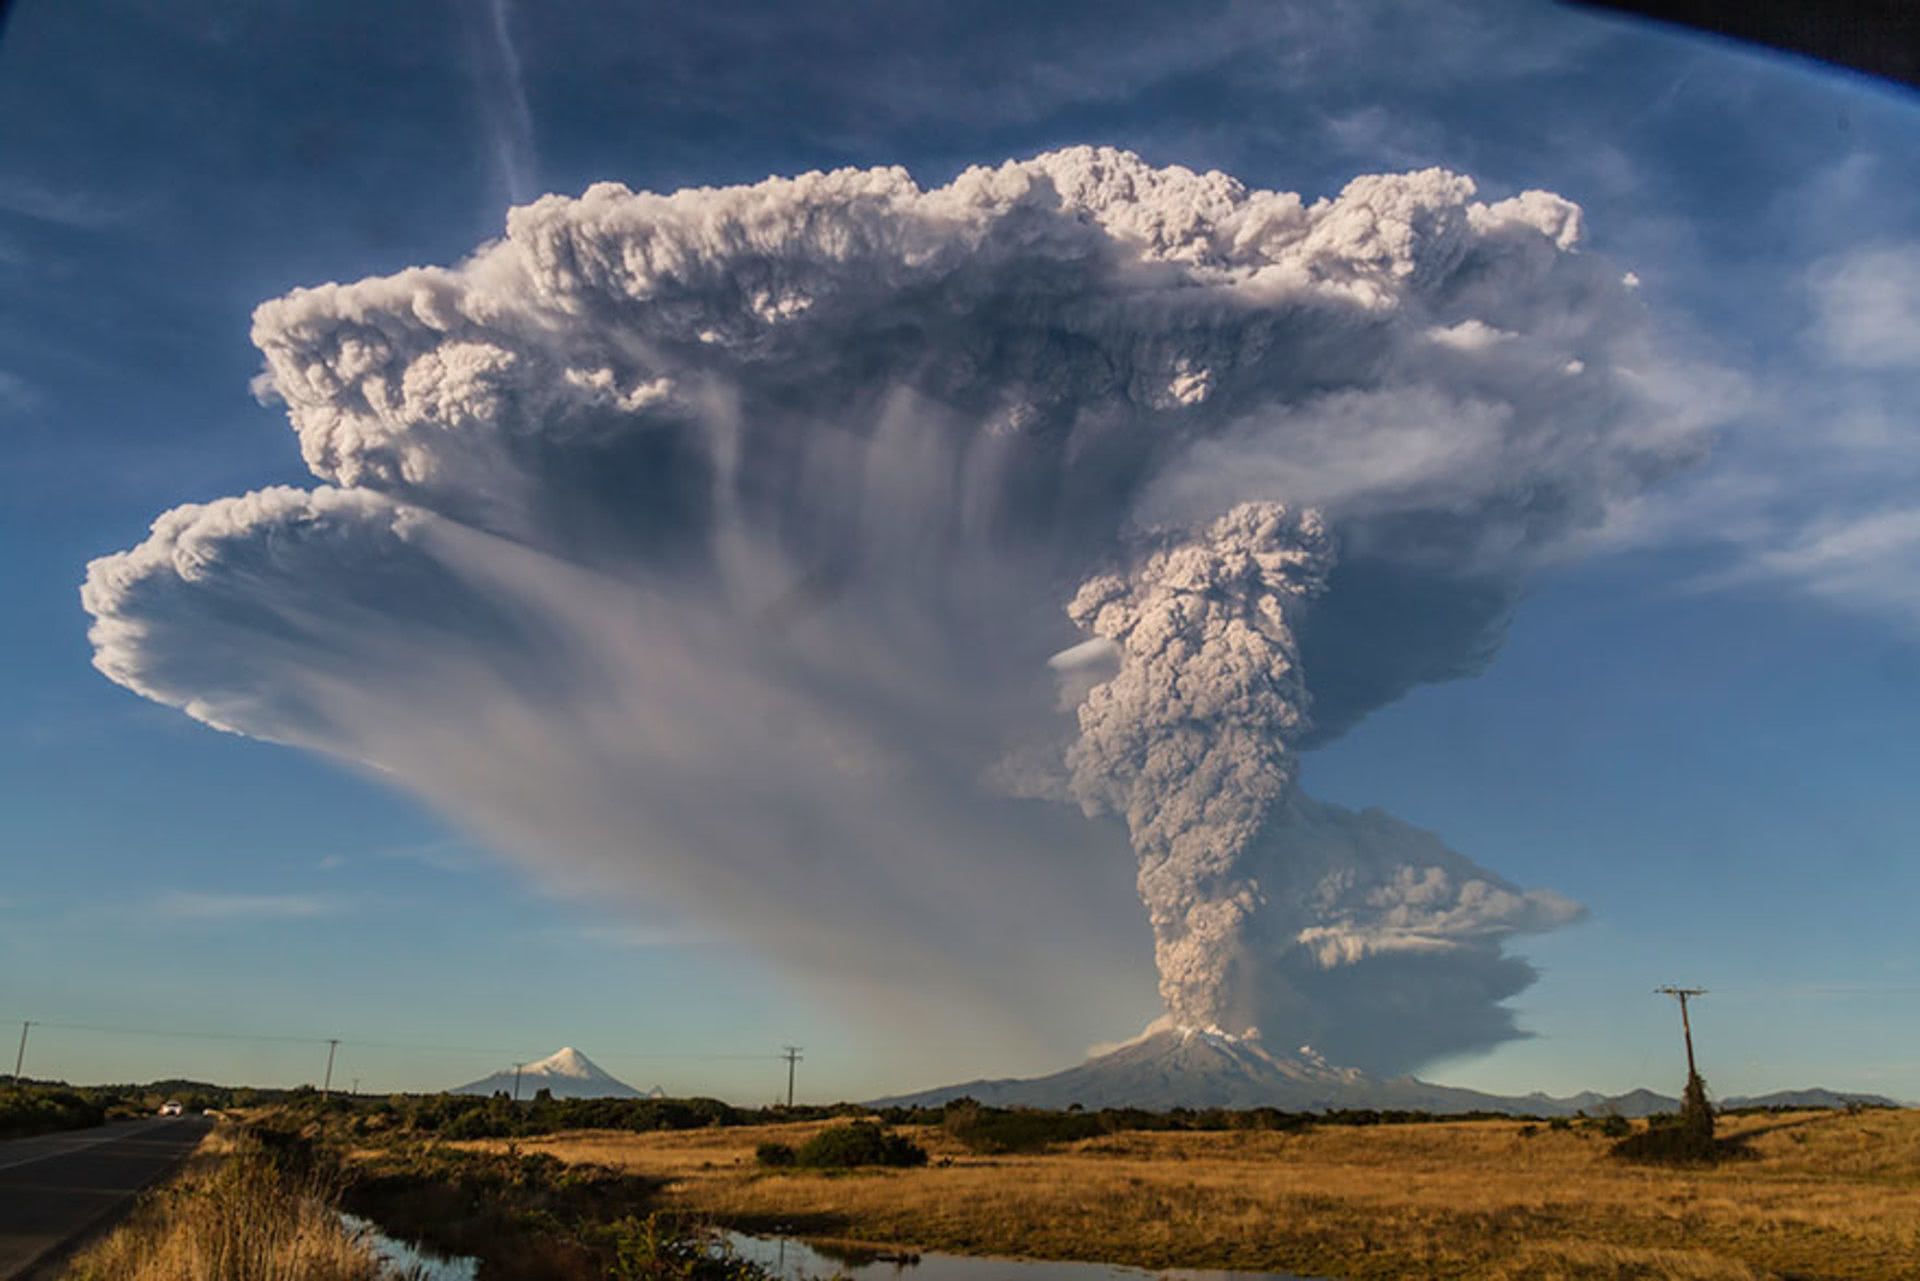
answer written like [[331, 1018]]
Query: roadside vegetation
[[39, 1109], [263, 1200], [529, 1216], [236, 1213], [42, 1107]]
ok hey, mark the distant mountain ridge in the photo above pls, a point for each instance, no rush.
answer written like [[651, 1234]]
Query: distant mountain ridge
[[566, 1073], [1194, 1068], [1813, 1098]]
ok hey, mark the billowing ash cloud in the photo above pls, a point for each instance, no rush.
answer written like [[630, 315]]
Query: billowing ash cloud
[[1376, 943], [709, 550], [1192, 738], [1253, 891]]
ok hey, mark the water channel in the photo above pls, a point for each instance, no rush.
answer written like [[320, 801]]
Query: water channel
[[794, 1260]]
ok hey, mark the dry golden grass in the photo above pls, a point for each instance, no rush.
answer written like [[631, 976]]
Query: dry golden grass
[[229, 1216], [1826, 1195]]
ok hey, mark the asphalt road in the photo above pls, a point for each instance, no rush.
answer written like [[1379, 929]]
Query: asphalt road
[[56, 1188]]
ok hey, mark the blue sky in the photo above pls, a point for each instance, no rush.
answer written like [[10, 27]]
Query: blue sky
[[1702, 731]]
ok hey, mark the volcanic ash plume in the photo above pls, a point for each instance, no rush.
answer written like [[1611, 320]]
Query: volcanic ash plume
[[703, 552], [1192, 740]]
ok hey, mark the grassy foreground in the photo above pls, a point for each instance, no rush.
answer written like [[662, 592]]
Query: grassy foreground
[[1823, 1194], [233, 1214]]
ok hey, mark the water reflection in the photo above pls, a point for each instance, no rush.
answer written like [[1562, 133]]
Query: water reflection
[[797, 1261], [404, 1261]]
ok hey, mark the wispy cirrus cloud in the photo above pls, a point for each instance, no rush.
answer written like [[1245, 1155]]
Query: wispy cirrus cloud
[[201, 905], [442, 856], [62, 206], [505, 115], [16, 394], [1844, 526], [1867, 306], [640, 937], [1868, 561], [1812, 485]]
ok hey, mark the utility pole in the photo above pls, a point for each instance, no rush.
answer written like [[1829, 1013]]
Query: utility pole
[[20, 1055], [791, 1053], [326, 1086], [1696, 1114], [516, 1081], [356, 1087], [1682, 994]]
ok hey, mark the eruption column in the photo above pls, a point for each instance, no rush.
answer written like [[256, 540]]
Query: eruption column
[[1191, 740]]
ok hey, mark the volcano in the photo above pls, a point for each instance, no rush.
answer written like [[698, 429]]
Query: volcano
[[567, 1073], [1196, 1068]]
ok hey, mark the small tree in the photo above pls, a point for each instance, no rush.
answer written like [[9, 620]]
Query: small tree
[[1696, 1114]]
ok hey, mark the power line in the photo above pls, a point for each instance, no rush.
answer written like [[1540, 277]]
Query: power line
[[417, 1046], [516, 1055], [179, 1035]]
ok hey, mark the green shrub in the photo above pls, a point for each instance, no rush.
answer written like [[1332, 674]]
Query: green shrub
[[774, 1155], [41, 1109], [996, 1130], [861, 1143]]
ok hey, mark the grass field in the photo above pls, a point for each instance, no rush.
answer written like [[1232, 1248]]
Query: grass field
[[1825, 1194]]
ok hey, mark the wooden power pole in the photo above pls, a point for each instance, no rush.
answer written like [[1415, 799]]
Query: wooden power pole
[[791, 1054], [20, 1055], [1682, 995]]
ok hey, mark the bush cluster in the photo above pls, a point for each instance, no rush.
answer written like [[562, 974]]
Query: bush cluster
[[999, 1130], [42, 1110], [468, 1116], [1118, 1120], [845, 1147], [1684, 1139]]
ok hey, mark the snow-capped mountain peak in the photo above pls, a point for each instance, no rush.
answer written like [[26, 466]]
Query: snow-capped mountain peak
[[566, 1061], [566, 1074]]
